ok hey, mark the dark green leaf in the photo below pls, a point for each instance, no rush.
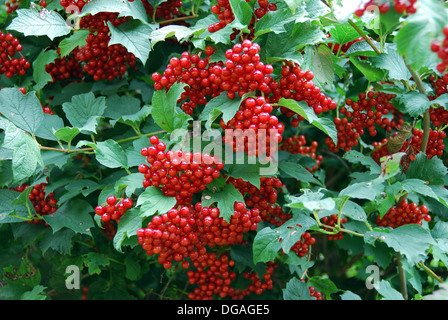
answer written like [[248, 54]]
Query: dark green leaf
[[25, 111]]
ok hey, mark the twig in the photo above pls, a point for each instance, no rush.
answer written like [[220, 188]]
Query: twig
[[402, 276]]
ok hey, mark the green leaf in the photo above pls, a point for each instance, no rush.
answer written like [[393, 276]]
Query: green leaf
[[297, 290], [385, 289], [31, 22], [249, 173], [224, 199], [67, 134], [320, 61], [343, 33], [131, 182], [410, 240], [353, 210], [134, 9], [414, 103], [274, 21], [76, 187], [164, 109], [49, 125], [127, 228], [302, 108], [152, 200], [179, 32], [283, 46], [94, 261], [38, 293], [385, 203], [414, 38], [371, 72], [25, 159], [26, 153], [323, 285], [355, 157], [266, 245], [77, 39], [291, 231], [133, 268], [222, 105], [74, 215], [242, 11], [61, 241], [431, 170], [110, 154], [420, 187], [25, 111], [296, 171], [363, 190], [134, 35], [40, 75], [362, 49], [84, 110], [394, 63]]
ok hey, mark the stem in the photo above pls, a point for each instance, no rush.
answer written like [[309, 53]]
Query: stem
[[363, 34], [338, 225], [426, 115], [429, 271], [177, 19], [402, 276], [68, 150]]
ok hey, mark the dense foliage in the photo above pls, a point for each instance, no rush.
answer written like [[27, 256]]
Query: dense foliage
[[203, 149]]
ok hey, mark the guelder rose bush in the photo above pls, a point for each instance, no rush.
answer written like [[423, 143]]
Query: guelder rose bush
[[226, 150]]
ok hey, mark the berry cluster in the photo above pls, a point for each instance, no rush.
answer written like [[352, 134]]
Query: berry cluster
[[78, 3], [185, 233], [342, 49], [241, 73], [298, 84], [43, 203], [313, 292], [12, 5], [254, 130], [213, 230], [441, 48], [166, 10], [9, 64], [435, 148], [109, 229], [256, 285], [404, 213], [331, 221], [172, 236], [366, 114], [179, 174], [99, 59], [65, 68], [298, 145], [400, 6], [225, 16], [193, 71], [301, 247], [212, 276], [439, 116], [224, 13], [264, 198], [112, 209]]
